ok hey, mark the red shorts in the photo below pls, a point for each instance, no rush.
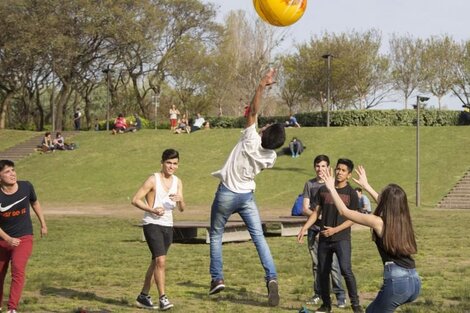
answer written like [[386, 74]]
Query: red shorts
[[173, 122]]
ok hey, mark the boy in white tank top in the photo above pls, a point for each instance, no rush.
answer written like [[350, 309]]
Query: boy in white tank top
[[163, 192]]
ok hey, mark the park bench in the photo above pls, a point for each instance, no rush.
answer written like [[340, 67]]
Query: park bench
[[235, 230], [290, 225]]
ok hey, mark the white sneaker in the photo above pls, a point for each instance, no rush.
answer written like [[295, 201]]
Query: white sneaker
[[165, 304]]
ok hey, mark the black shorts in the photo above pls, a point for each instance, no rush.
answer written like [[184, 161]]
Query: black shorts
[[159, 239]]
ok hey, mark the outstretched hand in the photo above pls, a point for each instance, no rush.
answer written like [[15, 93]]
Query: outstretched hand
[[361, 176], [268, 78], [327, 176]]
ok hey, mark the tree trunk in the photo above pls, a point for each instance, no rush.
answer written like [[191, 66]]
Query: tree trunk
[[4, 106], [64, 95]]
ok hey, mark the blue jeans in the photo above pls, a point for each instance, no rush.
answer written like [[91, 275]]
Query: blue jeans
[[225, 204], [342, 249], [400, 285], [336, 280]]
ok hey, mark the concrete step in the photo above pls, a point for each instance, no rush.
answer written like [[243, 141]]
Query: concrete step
[[28, 147], [459, 196]]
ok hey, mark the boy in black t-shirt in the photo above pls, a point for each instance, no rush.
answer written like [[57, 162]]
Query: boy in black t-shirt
[[335, 235], [16, 229]]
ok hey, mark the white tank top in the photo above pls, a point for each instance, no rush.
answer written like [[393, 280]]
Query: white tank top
[[162, 200]]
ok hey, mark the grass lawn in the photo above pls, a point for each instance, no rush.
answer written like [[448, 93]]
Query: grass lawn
[[97, 262]]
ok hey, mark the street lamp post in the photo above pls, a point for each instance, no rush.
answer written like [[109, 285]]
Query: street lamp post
[[328, 57], [155, 101], [52, 102], [419, 100], [107, 71]]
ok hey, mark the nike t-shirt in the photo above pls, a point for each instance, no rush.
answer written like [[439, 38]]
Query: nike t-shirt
[[15, 218]]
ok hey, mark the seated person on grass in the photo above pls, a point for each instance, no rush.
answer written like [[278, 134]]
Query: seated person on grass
[[120, 125], [46, 143], [59, 141]]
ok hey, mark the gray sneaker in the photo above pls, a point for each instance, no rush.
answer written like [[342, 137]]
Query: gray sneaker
[[273, 293], [314, 300]]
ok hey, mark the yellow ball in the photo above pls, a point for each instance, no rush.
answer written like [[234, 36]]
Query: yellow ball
[[280, 12]]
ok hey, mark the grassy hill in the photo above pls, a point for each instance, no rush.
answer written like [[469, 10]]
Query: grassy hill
[[108, 169], [96, 263]]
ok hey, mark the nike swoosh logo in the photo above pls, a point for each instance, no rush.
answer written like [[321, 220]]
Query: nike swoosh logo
[[3, 209]]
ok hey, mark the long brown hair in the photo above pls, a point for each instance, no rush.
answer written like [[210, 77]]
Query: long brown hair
[[398, 236]]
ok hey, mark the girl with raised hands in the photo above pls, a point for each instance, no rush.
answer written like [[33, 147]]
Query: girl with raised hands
[[392, 232]]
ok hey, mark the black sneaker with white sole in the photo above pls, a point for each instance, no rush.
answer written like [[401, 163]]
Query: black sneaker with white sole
[[145, 302], [216, 286]]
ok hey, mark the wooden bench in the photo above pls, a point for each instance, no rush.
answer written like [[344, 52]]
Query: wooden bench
[[290, 225], [187, 230], [235, 230]]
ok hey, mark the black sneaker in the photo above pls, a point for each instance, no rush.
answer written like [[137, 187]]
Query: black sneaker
[[165, 304], [324, 309], [145, 302], [216, 286], [273, 293], [357, 309]]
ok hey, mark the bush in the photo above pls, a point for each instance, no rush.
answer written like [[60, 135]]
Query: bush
[[356, 118]]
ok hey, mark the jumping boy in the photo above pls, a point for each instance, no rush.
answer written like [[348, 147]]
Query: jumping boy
[[235, 193]]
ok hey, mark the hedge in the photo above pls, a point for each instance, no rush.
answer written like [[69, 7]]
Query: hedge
[[357, 118]]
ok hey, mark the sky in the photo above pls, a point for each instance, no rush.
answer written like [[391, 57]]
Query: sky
[[418, 18]]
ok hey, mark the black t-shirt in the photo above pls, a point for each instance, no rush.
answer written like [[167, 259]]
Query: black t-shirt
[[405, 261], [15, 217], [329, 213]]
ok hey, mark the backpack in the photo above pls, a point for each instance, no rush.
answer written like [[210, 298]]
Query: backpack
[[297, 209]]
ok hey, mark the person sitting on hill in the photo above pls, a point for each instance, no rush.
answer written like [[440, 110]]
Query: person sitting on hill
[[198, 123], [295, 149], [292, 122], [138, 122], [183, 125], [120, 124], [59, 141], [46, 143], [137, 125]]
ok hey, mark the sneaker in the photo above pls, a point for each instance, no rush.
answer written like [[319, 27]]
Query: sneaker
[[342, 303], [165, 304], [145, 302], [314, 300], [273, 293], [216, 286], [324, 309], [357, 309], [11, 311]]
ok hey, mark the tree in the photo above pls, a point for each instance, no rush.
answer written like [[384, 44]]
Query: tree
[[243, 54], [154, 32], [461, 89], [405, 57], [438, 66]]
